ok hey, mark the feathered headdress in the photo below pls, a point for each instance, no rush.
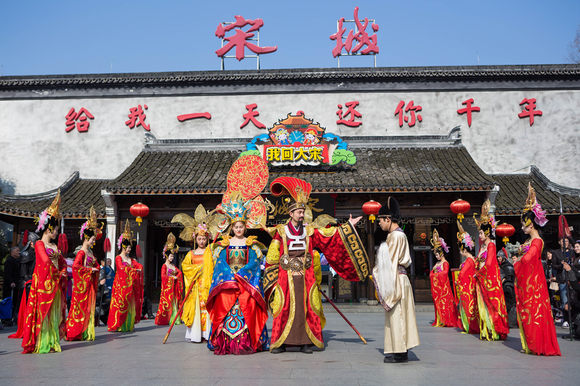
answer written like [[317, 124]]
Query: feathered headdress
[[533, 205], [170, 246], [91, 226], [438, 242], [194, 226], [126, 237], [464, 238], [51, 213], [486, 220]]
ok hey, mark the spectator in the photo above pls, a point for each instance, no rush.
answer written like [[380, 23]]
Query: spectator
[[11, 278], [109, 275], [559, 257], [574, 297], [507, 274], [27, 262], [552, 285], [103, 298], [576, 264]]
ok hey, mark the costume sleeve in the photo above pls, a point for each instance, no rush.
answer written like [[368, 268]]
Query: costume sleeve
[[445, 271], [79, 263], [272, 264], [535, 250], [343, 250], [40, 251], [207, 274], [164, 276], [179, 285]]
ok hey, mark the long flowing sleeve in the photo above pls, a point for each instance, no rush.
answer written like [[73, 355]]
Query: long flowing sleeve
[[537, 330]]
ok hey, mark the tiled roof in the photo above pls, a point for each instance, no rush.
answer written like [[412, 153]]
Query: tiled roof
[[412, 169], [514, 191], [77, 196], [294, 75]]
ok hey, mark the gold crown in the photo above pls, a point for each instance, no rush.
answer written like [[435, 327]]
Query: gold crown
[[170, 244], [531, 200], [53, 209], [127, 234], [485, 217], [435, 242]]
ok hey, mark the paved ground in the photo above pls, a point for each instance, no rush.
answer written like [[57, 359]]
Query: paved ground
[[445, 357]]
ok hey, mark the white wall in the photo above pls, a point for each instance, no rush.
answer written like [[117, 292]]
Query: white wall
[[38, 155]]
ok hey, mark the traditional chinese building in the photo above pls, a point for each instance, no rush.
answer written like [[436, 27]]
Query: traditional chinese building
[[426, 136]]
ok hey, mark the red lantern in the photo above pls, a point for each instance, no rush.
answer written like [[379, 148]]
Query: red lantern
[[139, 210], [371, 208], [505, 231], [459, 207]]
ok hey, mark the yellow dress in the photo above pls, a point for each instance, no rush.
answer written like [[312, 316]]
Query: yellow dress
[[197, 269]]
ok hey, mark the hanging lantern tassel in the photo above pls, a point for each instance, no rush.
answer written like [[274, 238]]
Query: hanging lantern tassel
[[138, 248], [107, 245], [460, 217], [25, 238], [107, 242]]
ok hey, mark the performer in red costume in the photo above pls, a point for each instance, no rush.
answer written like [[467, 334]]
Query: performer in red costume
[[80, 324], [468, 313], [445, 310], [43, 324], [171, 286], [537, 329], [290, 279], [493, 323], [127, 297]]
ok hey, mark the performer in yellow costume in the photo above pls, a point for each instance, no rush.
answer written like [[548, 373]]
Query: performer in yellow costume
[[197, 268]]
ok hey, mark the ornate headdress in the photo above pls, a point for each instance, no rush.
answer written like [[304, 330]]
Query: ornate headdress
[[91, 226], [170, 246], [438, 242], [126, 237], [194, 226], [486, 221], [533, 205], [50, 216], [298, 189], [242, 201], [464, 238]]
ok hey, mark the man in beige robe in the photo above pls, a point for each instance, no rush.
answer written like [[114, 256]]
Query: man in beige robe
[[393, 287]]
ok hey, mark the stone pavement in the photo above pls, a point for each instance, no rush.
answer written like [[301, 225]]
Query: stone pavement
[[445, 357]]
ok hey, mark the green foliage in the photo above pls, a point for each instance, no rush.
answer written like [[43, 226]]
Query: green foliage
[[340, 155]]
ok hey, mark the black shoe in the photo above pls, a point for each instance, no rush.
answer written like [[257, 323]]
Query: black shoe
[[401, 358], [397, 358], [279, 350], [567, 336], [305, 349]]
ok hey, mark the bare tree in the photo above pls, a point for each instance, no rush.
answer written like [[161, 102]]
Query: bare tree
[[574, 49]]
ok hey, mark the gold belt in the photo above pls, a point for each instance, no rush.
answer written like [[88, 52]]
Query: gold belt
[[295, 264]]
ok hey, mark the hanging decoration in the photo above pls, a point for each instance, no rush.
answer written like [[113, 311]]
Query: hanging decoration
[[460, 207], [138, 248], [139, 210], [505, 230], [371, 208]]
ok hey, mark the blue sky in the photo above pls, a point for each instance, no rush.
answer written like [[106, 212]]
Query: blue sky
[[81, 37]]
